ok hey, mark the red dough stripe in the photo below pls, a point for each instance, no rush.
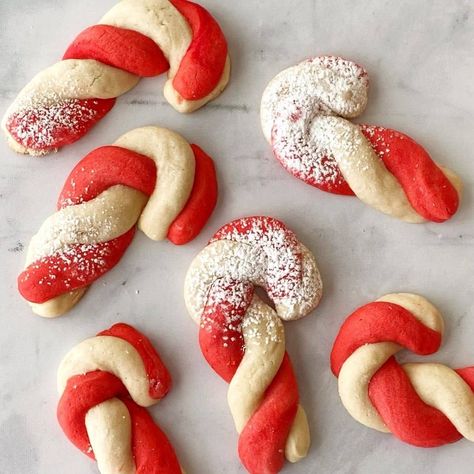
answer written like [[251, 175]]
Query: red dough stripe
[[157, 373], [153, 453], [201, 202], [262, 441], [382, 322], [203, 64], [333, 182], [403, 411], [220, 337], [429, 191], [120, 48], [105, 167], [75, 268]]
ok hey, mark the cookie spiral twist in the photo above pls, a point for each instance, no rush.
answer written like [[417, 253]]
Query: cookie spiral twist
[[105, 383], [150, 176], [136, 38], [424, 404], [242, 337], [304, 113]]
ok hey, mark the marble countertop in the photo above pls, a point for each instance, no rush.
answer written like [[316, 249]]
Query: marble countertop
[[420, 59]]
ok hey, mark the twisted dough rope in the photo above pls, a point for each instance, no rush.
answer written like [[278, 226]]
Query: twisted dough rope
[[303, 113], [243, 339], [104, 383], [150, 175], [136, 38], [423, 404]]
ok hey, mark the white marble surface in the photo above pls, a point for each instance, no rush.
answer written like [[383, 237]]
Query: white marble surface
[[420, 58]]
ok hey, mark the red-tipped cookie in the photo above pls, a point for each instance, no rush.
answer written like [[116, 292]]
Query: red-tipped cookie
[[150, 176], [135, 39]]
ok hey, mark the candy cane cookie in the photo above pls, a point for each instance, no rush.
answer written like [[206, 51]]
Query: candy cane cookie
[[136, 38], [423, 404], [304, 114], [242, 337], [105, 383], [152, 177]]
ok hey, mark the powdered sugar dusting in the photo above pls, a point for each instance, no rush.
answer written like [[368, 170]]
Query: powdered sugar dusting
[[376, 137], [79, 243], [61, 103], [88, 260], [244, 313], [47, 115], [299, 152], [70, 229], [233, 298], [322, 86], [241, 336], [305, 110], [261, 327], [42, 128], [342, 139], [258, 251], [101, 219], [279, 247]]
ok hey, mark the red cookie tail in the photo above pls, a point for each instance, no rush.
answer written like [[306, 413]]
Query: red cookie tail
[[45, 128], [203, 64], [427, 188], [201, 202], [403, 411], [153, 452], [262, 442], [77, 267]]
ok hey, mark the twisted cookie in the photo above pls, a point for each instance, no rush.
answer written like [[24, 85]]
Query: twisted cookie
[[243, 339], [150, 176], [424, 404], [304, 114], [136, 38], [105, 382]]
